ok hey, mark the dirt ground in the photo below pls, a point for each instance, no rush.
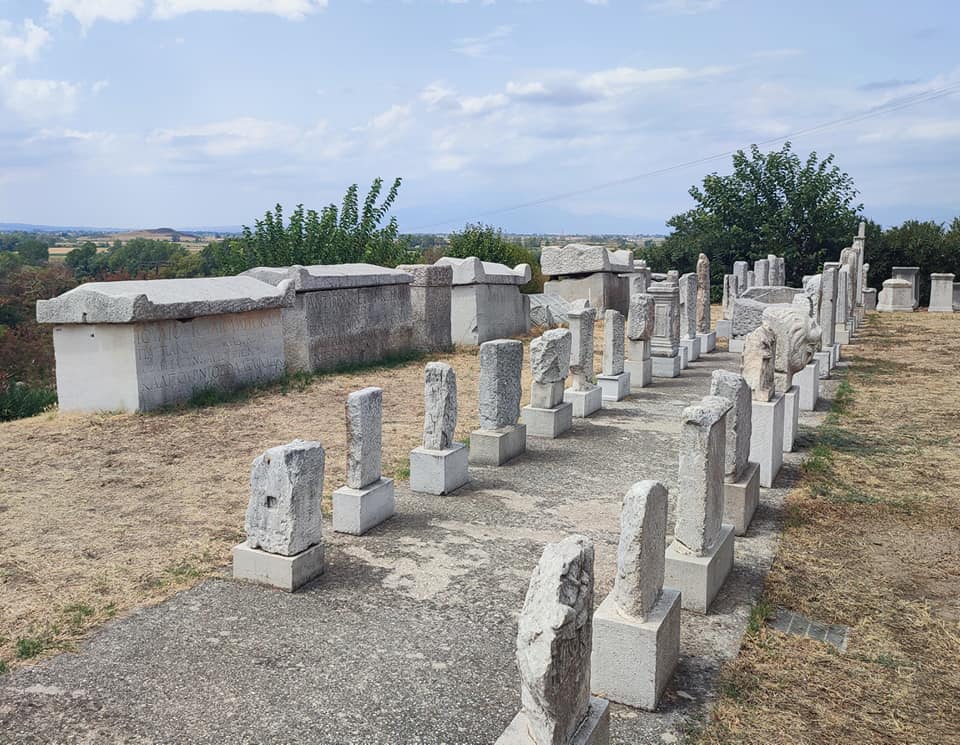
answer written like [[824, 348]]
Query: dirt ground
[[872, 542]]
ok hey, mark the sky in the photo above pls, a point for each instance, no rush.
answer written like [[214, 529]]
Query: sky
[[551, 116]]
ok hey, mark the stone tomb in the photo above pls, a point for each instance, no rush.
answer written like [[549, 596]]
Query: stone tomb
[[767, 408], [579, 270], [614, 380], [895, 297], [584, 394], [554, 642], [941, 293], [284, 522], [368, 498], [701, 554], [486, 302], [636, 630], [439, 465], [140, 345], [500, 438], [908, 273], [741, 476], [430, 302], [639, 363], [548, 415]]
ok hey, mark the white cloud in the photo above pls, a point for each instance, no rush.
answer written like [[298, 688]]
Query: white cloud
[[394, 117], [38, 99], [925, 130], [478, 105], [229, 137], [437, 94], [481, 46], [87, 12], [99, 85], [684, 7], [293, 10], [25, 45]]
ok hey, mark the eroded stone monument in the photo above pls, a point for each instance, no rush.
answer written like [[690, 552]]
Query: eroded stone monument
[[665, 341], [548, 415], [757, 366], [614, 379], [741, 477], [439, 465], [941, 293], [639, 332], [584, 394], [689, 341], [500, 437]]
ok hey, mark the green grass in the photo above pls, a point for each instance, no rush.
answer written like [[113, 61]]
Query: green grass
[[4, 667], [77, 614], [28, 647], [18, 401], [759, 614], [402, 472]]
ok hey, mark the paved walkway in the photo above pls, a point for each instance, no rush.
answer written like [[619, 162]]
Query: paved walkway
[[409, 636]]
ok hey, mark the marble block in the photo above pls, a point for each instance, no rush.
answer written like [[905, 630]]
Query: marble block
[[741, 498], [736, 345], [708, 342], [595, 729], [808, 380], [766, 438], [586, 402], [666, 367], [355, 511], [284, 572], [640, 372], [684, 354], [439, 471], [824, 360], [614, 387], [494, 447], [548, 423], [699, 577], [692, 346], [724, 329], [791, 417]]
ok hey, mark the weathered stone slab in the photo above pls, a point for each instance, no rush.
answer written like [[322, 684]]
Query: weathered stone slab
[[286, 485], [472, 271], [643, 536], [550, 356], [613, 343], [748, 315], [330, 276], [582, 351], [575, 258], [761, 270], [941, 293], [751, 278], [665, 341], [430, 305], [703, 294], [364, 425], [828, 307], [688, 306], [740, 271], [604, 289], [482, 312], [771, 294], [731, 291], [758, 360], [640, 320], [501, 363], [440, 406], [735, 389]]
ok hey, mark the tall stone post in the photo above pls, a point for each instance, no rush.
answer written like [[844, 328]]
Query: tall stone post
[[614, 380], [640, 323], [689, 342], [548, 415], [740, 270], [941, 293], [757, 366], [439, 465], [500, 438], [741, 477], [761, 270], [665, 342], [585, 395]]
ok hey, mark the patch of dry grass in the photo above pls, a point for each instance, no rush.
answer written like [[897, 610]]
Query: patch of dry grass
[[872, 542]]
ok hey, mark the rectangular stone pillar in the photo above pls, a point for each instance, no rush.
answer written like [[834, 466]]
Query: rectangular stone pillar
[[941, 293], [614, 381], [439, 465], [665, 341], [499, 438], [430, 299], [808, 381]]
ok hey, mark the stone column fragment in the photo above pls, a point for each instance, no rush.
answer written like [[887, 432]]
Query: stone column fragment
[[730, 292], [761, 270], [613, 342], [364, 426], [828, 308], [501, 363], [440, 406], [740, 270], [581, 354], [643, 533], [703, 294], [688, 306], [757, 362]]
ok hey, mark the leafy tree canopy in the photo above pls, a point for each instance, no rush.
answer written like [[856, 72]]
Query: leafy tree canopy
[[488, 244]]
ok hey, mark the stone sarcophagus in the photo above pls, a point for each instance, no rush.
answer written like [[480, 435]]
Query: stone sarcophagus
[[486, 300], [140, 345]]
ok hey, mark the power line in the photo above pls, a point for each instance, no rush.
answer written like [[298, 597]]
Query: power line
[[901, 103]]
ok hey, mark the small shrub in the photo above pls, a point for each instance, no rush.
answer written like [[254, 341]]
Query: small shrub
[[19, 400], [27, 647]]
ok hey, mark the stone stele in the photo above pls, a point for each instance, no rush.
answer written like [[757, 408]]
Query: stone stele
[[550, 356], [730, 292], [501, 364], [688, 306], [581, 354], [640, 555], [613, 342], [700, 490], [364, 424], [640, 318], [740, 271], [440, 406], [798, 337], [703, 294], [554, 640], [735, 389], [286, 484], [757, 361]]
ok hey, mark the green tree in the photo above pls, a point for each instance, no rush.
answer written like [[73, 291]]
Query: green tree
[[33, 251], [488, 244], [81, 259], [772, 203]]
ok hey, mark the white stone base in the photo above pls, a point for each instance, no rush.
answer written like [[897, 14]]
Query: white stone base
[[708, 342], [666, 367], [438, 471], [823, 361], [614, 387], [494, 447], [724, 328], [684, 354], [693, 348], [741, 497], [584, 403], [766, 438], [286, 572], [842, 336], [355, 511], [837, 353], [549, 423], [736, 345], [808, 380], [791, 417], [632, 660], [641, 372], [699, 578], [595, 729]]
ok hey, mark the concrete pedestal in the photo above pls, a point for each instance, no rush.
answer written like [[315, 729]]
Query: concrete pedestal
[[355, 511], [766, 437], [614, 387], [791, 417], [693, 348], [741, 497], [285, 572], [595, 729], [808, 380], [823, 361], [736, 345], [494, 447], [837, 353], [724, 329], [708, 342], [549, 423], [584, 403], [640, 371], [632, 660], [666, 367], [684, 354], [438, 471], [842, 335], [699, 578]]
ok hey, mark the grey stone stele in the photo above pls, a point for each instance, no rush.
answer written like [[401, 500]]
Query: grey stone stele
[[741, 270], [757, 362], [730, 291], [751, 279], [688, 306], [501, 364], [798, 337], [703, 294], [665, 340], [941, 292], [614, 342], [828, 307], [761, 271], [640, 319], [550, 356], [286, 485], [813, 289], [440, 406], [735, 389], [162, 299], [640, 553], [843, 295], [554, 641], [364, 425], [699, 504], [581, 353]]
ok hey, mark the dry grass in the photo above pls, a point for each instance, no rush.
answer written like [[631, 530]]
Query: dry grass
[[873, 542]]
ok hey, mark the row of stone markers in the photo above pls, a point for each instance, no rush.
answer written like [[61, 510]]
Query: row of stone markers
[[901, 293]]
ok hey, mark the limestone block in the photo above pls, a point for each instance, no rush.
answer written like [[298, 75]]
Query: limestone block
[[643, 535], [665, 340], [640, 371], [430, 304], [287, 573], [550, 356], [798, 337], [494, 447], [574, 258], [439, 471], [910, 274], [757, 362], [730, 293], [330, 276], [594, 730], [771, 295], [548, 423], [751, 279], [843, 295], [355, 511], [440, 406], [688, 306], [501, 363], [554, 641], [824, 366], [582, 351], [684, 355], [761, 270], [791, 417], [735, 389], [546, 395], [747, 315], [482, 312], [613, 342], [640, 320], [286, 485], [828, 306], [699, 504], [741, 497], [501, 274], [808, 381], [870, 298], [895, 297], [703, 294], [605, 290], [666, 367], [364, 424], [724, 329], [585, 401], [614, 387], [691, 347], [708, 342], [699, 577], [941, 293], [740, 270]]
